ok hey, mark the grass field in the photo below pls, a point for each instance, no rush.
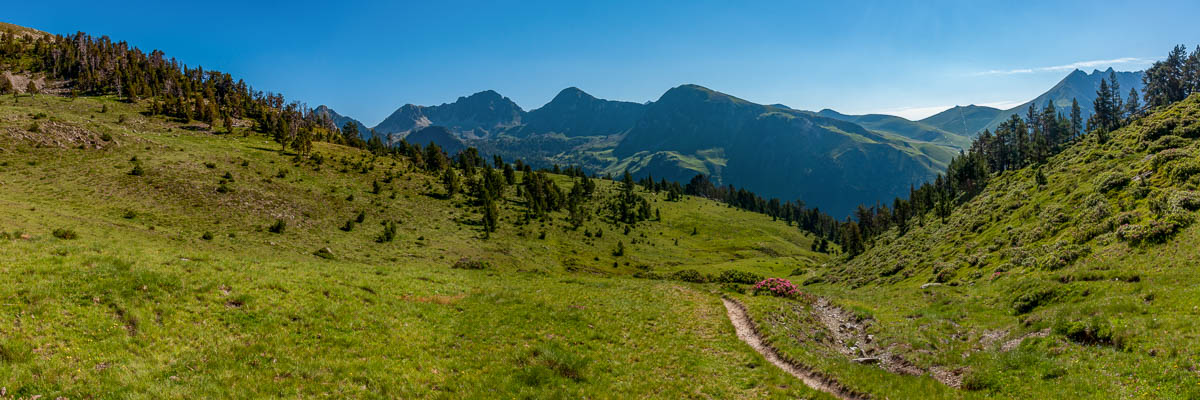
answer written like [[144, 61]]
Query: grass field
[[171, 283]]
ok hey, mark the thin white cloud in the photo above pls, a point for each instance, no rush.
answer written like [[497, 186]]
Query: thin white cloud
[[1070, 67], [916, 113]]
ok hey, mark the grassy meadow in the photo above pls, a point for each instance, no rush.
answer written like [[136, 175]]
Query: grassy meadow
[[175, 281]]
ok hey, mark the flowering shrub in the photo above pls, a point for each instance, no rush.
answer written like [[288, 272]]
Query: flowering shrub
[[776, 287]]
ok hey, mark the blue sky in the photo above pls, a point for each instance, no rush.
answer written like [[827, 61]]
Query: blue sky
[[912, 59]]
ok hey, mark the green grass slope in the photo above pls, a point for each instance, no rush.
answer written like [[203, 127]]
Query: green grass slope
[[172, 283], [1082, 286]]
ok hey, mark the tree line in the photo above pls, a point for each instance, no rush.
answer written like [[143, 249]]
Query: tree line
[[100, 66]]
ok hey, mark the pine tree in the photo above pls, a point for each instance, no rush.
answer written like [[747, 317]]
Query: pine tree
[[491, 214], [451, 181], [1076, 119], [1132, 106]]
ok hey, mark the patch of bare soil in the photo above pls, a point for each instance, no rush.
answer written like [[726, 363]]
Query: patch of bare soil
[[855, 343], [47, 133]]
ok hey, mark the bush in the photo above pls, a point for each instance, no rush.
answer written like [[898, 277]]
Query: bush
[[1031, 294], [1166, 156], [348, 226], [1152, 232], [467, 263], [1061, 254], [210, 165], [1109, 181], [137, 170], [734, 276], [1184, 201], [1168, 142], [129, 214], [688, 275], [778, 287], [278, 226], [65, 234], [207, 236], [1180, 171], [389, 232], [324, 252], [1091, 331]]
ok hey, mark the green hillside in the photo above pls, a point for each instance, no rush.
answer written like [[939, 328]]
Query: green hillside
[[220, 269], [1081, 285], [914, 130], [965, 121]]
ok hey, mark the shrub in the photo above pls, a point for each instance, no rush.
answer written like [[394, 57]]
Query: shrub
[[688, 275], [1180, 171], [1165, 156], [1152, 232], [348, 226], [389, 232], [129, 214], [210, 165], [1061, 254], [65, 234], [1184, 200], [324, 252], [1109, 181], [620, 251], [1030, 294], [278, 226], [778, 287], [467, 263], [735, 276], [1168, 142], [207, 236], [362, 216], [1092, 330], [106, 137], [137, 170]]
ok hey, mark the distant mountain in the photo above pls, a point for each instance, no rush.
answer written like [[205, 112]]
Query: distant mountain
[[574, 113], [341, 120], [900, 126], [476, 116], [1079, 86], [437, 135], [776, 152], [965, 121]]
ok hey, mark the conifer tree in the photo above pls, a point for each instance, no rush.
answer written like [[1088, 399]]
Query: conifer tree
[[451, 181], [1132, 106]]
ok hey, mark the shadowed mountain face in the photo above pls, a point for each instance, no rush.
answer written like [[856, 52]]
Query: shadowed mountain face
[[575, 113], [341, 120], [479, 115], [777, 152], [437, 135]]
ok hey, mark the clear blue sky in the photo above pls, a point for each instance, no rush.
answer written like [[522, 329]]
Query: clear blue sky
[[911, 59]]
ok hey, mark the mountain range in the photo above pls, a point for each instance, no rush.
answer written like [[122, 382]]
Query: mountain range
[[827, 159]]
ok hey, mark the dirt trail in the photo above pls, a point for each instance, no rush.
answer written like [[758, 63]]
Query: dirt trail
[[748, 333]]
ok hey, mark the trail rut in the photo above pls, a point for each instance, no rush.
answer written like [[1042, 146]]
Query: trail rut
[[747, 332]]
